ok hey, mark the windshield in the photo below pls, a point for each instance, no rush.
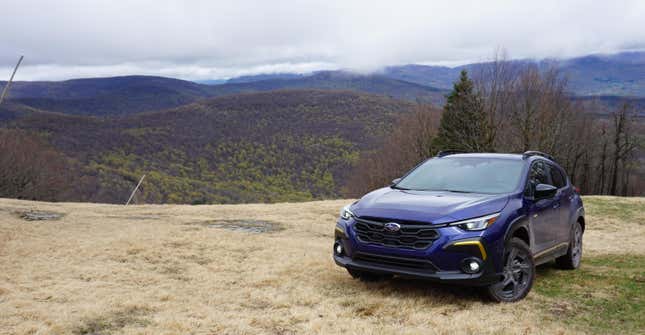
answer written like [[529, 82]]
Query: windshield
[[465, 174]]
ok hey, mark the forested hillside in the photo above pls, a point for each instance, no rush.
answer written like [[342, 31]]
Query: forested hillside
[[260, 147]]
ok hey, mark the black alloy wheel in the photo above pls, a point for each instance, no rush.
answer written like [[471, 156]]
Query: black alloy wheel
[[518, 274]]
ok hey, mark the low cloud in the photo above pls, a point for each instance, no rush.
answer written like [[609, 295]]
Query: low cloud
[[219, 39]]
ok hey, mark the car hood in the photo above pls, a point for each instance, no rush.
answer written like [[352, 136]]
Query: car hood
[[427, 206]]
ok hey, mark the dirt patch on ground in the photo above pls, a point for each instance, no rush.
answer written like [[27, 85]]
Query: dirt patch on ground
[[114, 321], [244, 225], [32, 215]]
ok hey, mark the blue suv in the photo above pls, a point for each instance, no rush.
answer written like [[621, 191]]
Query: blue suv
[[478, 219]]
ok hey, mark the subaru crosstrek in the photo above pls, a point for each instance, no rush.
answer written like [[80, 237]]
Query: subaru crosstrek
[[478, 219]]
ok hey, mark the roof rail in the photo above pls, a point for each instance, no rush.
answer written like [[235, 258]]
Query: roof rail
[[528, 154], [443, 153]]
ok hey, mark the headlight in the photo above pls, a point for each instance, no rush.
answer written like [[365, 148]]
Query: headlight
[[479, 223], [345, 213]]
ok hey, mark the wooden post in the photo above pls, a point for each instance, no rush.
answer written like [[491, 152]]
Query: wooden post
[[135, 190], [6, 87]]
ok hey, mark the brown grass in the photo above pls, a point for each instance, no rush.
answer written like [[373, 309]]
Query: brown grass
[[160, 269]]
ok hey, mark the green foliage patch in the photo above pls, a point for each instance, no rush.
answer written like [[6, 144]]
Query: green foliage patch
[[604, 296], [616, 207]]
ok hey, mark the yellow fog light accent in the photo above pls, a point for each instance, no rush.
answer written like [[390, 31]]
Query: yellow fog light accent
[[482, 250], [340, 230]]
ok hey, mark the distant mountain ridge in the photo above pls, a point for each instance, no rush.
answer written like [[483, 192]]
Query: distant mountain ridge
[[621, 74], [340, 80], [264, 76], [134, 94]]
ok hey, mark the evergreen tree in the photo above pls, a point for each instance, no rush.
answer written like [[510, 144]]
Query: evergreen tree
[[463, 123]]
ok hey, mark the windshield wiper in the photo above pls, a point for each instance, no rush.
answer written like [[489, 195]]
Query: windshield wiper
[[427, 189], [440, 190], [457, 191]]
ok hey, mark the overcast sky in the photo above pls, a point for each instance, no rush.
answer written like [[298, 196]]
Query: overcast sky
[[219, 39]]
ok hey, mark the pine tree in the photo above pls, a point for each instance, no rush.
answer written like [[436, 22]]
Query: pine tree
[[463, 123]]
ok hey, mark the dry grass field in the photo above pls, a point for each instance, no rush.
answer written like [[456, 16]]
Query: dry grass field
[[171, 269]]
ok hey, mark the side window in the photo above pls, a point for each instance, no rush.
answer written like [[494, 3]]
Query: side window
[[559, 180], [538, 174]]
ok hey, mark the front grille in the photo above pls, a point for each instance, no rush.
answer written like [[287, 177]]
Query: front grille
[[411, 236], [405, 262]]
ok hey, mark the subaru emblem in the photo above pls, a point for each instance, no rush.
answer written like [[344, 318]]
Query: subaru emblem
[[392, 227]]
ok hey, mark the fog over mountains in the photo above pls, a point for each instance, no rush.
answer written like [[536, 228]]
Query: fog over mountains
[[621, 74]]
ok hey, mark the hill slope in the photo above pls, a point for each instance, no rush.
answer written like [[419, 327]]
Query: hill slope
[[274, 146], [108, 96]]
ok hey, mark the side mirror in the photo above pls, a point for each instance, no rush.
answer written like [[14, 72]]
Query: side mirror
[[395, 181], [544, 191]]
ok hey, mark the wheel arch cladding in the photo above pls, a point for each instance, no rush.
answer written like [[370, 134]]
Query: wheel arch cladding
[[581, 219], [519, 228]]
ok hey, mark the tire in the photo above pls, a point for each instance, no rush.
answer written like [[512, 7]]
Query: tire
[[519, 273], [571, 260], [368, 276]]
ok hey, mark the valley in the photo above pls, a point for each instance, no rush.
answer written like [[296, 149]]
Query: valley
[[268, 138]]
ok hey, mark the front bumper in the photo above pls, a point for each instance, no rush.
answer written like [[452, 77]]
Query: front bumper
[[442, 262], [482, 278]]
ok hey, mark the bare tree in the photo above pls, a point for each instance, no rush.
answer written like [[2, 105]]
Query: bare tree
[[623, 141], [529, 108], [496, 81], [30, 169]]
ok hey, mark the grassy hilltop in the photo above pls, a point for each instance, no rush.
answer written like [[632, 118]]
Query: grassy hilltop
[[177, 269]]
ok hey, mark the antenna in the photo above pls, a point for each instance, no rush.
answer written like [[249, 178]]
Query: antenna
[[6, 88]]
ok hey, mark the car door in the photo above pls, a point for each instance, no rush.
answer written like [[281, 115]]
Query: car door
[[562, 203], [544, 214]]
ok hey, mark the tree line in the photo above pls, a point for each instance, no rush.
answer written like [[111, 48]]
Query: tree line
[[514, 107]]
